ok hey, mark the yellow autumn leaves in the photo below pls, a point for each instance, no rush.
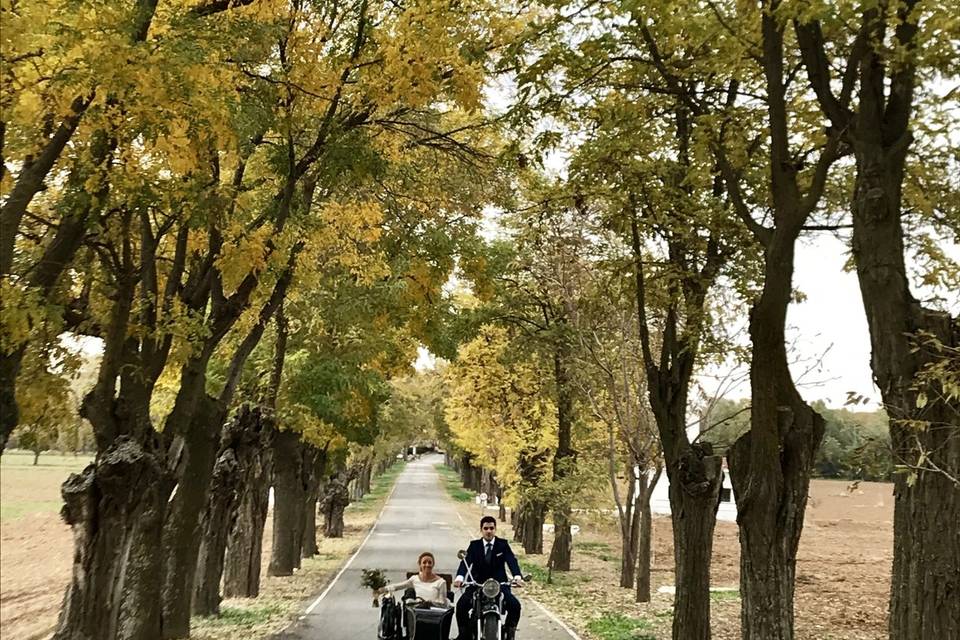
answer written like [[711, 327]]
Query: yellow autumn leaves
[[497, 406]]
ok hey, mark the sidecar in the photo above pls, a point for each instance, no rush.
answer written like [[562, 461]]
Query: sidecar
[[411, 618], [428, 622]]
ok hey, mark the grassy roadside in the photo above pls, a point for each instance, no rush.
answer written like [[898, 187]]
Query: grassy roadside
[[282, 600], [451, 482]]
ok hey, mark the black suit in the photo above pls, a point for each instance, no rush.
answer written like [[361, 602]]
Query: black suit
[[481, 569]]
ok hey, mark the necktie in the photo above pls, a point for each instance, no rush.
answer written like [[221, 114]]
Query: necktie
[[488, 555]]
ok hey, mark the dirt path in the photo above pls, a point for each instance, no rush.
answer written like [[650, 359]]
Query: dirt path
[[34, 571]]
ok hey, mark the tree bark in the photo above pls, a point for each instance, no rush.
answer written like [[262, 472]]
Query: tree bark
[[182, 531], [770, 465], [645, 535], [241, 572], [116, 509], [314, 465], [694, 499], [335, 500], [288, 503], [310, 547], [10, 364], [905, 338], [534, 514], [562, 547], [218, 518], [243, 442], [629, 528], [925, 587], [366, 478], [645, 539]]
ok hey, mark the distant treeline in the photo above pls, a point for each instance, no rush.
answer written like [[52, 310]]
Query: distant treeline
[[856, 444]]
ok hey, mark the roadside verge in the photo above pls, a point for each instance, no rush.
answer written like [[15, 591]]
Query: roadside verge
[[282, 600]]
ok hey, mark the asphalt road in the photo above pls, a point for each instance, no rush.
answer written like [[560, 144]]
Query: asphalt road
[[418, 516]]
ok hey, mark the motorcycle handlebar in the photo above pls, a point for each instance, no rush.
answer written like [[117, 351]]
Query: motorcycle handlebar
[[508, 583]]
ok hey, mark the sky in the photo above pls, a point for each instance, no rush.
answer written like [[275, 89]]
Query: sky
[[828, 330]]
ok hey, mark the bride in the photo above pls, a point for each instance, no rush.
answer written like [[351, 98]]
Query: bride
[[427, 585]]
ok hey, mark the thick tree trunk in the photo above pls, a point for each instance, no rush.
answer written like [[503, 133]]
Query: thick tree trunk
[[244, 439], [314, 465], [366, 478], [534, 514], [218, 519], [770, 465], [116, 509], [310, 547], [288, 503], [466, 470], [335, 500], [562, 547], [182, 530], [925, 584], [694, 497], [241, 571], [9, 410]]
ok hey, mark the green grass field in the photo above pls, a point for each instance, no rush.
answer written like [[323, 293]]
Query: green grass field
[[27, 489]]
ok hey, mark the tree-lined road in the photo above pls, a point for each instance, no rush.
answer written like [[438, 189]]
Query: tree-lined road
[[418, 516]]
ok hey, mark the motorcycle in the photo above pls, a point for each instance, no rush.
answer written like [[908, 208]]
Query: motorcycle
[[488, 615], [412, 618]]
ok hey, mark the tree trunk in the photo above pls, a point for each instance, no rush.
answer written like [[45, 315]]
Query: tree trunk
[[314, 466], [310, 547], [244, 439], [288, 503], [644, 535], [241, 571], [770, 465], [366, 478], [218, 519], [905, 338], [629, 530], [36, 457], [562, 547], [335, 500], [694, 498], [116, 509], [534, 514], [644, 552], [182, 530], [564, 460], [500, 503], [10, 364], [466, 470]]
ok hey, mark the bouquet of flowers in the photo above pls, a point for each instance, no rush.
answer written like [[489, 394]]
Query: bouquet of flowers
[[373, 579]]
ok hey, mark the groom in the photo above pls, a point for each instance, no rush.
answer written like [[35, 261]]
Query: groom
[[488, 558]]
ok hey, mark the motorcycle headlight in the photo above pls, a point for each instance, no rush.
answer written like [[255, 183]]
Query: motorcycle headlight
[[491, 588]]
